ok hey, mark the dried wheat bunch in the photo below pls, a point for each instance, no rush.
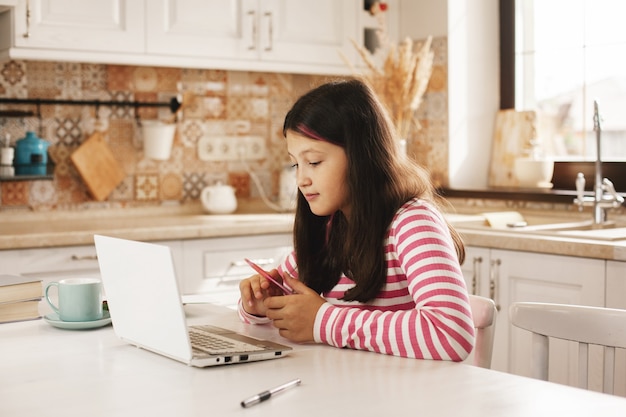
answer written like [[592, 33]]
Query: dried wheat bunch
[[402, 79]]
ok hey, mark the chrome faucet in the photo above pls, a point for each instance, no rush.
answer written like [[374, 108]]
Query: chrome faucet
[[604, 194]]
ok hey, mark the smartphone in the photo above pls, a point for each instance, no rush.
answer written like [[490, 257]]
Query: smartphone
[[261, 271]]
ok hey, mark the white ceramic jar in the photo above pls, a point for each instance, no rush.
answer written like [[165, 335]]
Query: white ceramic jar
[[288, 188], [219, 199]]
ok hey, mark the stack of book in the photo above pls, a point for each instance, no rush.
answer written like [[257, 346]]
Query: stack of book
[[19, 298]]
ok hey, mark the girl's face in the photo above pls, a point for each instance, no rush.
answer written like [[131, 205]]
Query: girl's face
[[321, 169]]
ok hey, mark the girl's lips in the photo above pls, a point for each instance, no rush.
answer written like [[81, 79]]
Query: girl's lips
[[310, 196]]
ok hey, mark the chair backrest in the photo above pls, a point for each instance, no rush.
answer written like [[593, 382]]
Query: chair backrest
[[582, 324], [484, 313]]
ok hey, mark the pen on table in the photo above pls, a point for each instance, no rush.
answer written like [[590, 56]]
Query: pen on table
[[266, 395]]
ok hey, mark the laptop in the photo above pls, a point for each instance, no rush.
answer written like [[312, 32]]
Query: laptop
[[142, 294]]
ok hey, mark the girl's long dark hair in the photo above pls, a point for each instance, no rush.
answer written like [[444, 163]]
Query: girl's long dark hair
[[348, 114]]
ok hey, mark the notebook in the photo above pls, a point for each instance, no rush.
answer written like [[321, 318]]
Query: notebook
[[142, 294]]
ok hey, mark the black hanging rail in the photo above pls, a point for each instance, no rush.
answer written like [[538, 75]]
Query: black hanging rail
[[173, 104]]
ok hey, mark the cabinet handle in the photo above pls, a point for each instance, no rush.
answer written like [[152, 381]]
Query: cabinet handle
[[84, 258], [253, 39], [226, 279], [230, 281], [477, 261], [258, 261], [27, 33], [494, 276], [270, 31]]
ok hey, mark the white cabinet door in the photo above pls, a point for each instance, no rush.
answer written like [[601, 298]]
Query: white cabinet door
[[282, 31], [215, 266], [80, 25], [616, 298], [311, 32], [202, 28], [524, 276], [476, 270], [55, 263], [616, 284], [480, 273], [509, 276], [51, 263], [296, 36]]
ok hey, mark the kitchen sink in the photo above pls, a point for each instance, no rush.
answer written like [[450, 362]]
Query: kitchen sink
[[514, 221], [603, 233], [545, 225]]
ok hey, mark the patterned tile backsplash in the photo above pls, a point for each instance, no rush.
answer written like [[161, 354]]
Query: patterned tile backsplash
[[216, 103]]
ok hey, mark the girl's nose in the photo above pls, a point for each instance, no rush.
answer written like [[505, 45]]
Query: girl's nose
[[302, 180]]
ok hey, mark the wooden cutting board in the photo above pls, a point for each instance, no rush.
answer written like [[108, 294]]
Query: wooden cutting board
[[97, 166], [512, 134]]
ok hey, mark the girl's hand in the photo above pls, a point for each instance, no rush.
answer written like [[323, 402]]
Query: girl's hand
[[294, 315], [255, 289]]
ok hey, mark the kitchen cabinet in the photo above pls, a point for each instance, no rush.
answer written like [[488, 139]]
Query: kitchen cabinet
[[294, 32], [55, 263], [476, 270], [209, 268], [209, 28], [247, 35], [616, 298], [90, 26], [481, 276], [523, 276], [616, 284], [509, 276], [215, 266]]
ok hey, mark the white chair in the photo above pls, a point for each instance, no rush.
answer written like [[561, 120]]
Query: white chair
[[484, 313], [586, 325]]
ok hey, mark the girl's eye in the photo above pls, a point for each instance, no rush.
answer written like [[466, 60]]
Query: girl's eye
[[316, 163]]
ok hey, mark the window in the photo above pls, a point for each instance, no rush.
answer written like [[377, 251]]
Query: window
[[569, 53]]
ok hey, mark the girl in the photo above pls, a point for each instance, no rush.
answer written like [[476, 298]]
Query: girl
[[368, 237]]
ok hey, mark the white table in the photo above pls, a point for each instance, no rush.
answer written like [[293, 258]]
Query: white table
[[52, 372]]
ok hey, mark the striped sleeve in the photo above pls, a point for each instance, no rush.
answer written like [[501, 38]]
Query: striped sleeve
[[248, 318], [423, 310]]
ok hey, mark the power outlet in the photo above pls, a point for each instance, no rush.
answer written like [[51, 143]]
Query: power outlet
[[231, 148]]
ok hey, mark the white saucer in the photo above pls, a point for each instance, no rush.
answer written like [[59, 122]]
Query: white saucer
[[54, 320]]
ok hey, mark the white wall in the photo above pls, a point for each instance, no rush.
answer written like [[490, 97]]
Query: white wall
[[473, 77], [420, 18], [473, 89]]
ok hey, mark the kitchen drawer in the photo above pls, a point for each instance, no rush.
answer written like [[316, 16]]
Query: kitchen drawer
[[216, 266], [50, 262], [60, 262], [55, 263]]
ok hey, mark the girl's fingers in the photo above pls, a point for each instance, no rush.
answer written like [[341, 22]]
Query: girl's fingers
[[295, 284]]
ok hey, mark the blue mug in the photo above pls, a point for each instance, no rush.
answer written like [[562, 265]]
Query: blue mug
[[79, 299]]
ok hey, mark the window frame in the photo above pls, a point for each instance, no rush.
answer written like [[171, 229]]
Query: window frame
[[507, 98]]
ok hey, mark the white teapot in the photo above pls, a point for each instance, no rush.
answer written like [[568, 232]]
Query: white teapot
[[219, 199]]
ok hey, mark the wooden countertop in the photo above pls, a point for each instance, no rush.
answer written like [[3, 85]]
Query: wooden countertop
[[38, 230], [538, 242], [554, 245]]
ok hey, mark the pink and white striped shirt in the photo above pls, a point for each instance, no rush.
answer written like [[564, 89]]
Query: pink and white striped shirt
[[423, 309]]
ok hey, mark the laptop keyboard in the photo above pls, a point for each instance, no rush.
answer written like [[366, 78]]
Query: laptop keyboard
[[216, 344]]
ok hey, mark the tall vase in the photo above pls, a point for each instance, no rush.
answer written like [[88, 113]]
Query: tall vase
[[402, 147]]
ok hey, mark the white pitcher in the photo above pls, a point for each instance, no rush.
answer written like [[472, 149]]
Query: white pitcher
[[219, 199]]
